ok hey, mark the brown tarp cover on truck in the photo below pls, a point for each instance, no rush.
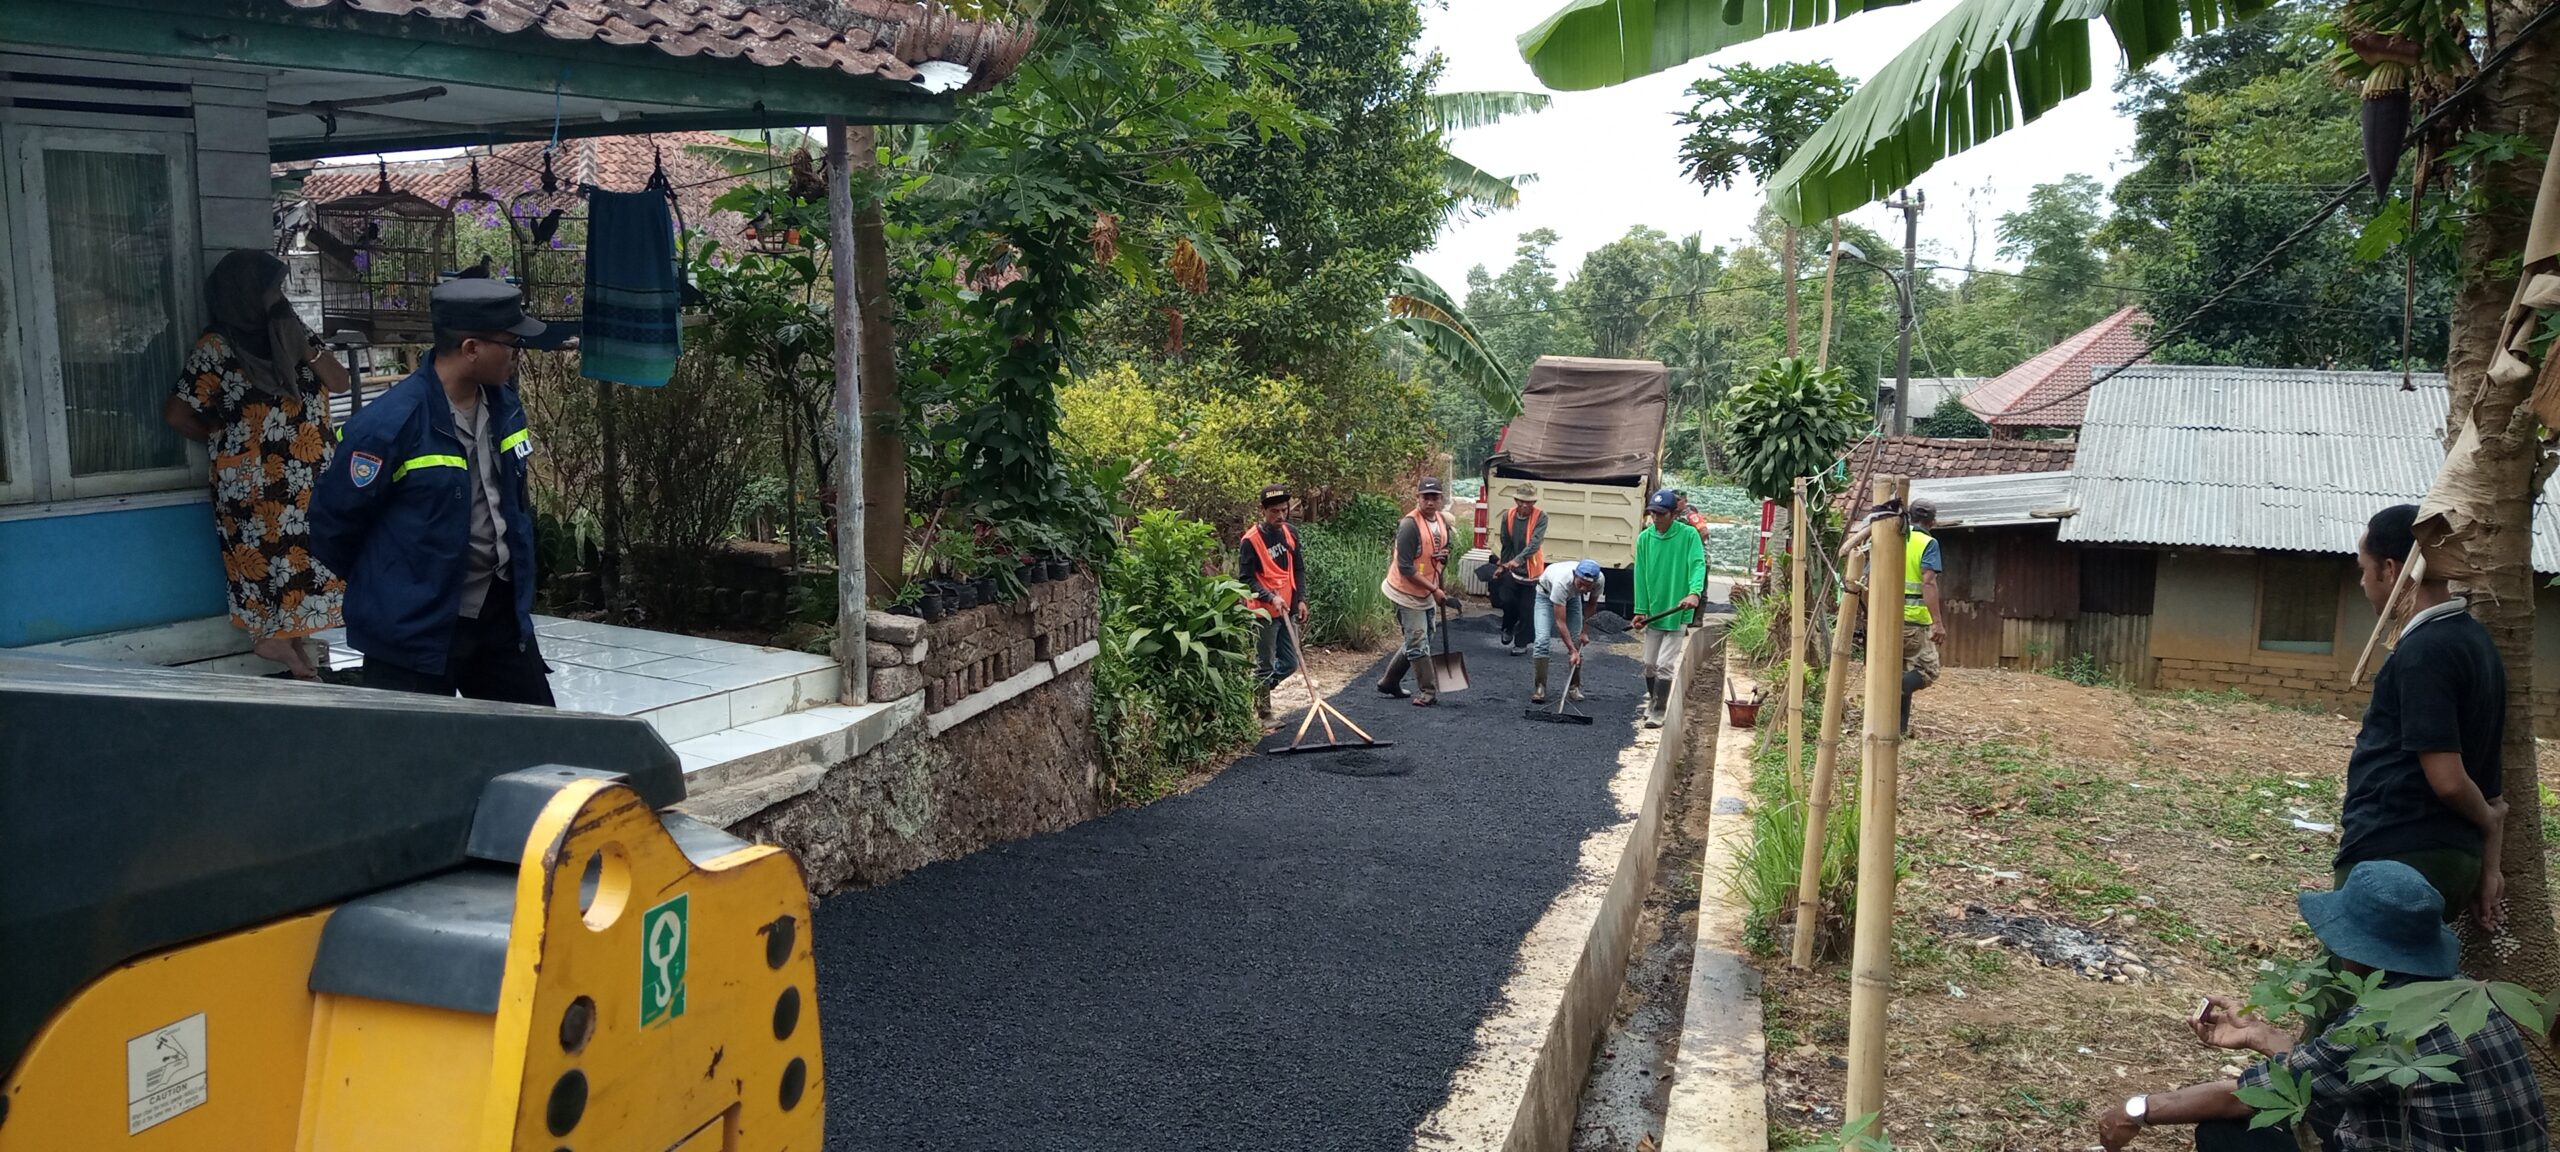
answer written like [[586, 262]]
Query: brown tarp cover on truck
[[1585, 420]]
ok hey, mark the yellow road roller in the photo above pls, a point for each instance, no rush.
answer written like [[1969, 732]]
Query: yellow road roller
[[239, 915]]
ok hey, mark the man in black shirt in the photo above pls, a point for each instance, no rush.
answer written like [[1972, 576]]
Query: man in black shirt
[[2424, 782]]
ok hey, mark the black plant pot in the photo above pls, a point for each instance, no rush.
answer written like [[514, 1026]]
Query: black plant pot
[[987, 589], [929, 606], [1060, 570], [961, 598], [1035, 573]]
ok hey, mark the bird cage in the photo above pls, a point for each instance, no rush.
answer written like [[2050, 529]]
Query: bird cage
[[381, 254], [550, 228]]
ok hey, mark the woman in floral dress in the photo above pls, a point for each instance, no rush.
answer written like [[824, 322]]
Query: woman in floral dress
[[255, 393]]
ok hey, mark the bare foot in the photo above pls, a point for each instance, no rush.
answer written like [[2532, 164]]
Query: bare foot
[[288, 653]]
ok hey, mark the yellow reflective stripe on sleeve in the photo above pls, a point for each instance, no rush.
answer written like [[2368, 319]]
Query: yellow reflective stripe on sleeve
[[428, 462], [514, 438]]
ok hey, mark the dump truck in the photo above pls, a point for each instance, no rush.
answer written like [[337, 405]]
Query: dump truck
[[246, 914], [1590, 435]]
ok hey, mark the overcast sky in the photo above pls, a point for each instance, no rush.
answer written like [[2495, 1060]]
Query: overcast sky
[[1609, 159]]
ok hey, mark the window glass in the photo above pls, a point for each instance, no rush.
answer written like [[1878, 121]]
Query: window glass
[[2298, 603], [110, 221]]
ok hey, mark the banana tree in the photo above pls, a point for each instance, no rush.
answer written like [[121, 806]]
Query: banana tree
[[1984, 68], [1427, 313], [1471, 188]]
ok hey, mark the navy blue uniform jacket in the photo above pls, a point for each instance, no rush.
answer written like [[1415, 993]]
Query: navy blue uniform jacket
[[393, 516]]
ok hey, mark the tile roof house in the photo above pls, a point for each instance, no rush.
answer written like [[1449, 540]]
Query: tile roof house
[[1942, 457], [2050, 389]]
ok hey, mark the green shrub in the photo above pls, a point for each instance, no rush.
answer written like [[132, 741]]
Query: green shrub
[[1344, 604], [1173, 686], [1765, 877], [1750, 629]]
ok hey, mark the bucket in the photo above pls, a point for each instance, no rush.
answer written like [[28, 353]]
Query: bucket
[[1742, 713]]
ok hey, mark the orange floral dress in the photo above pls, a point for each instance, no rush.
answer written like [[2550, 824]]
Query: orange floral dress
[[268, 454]]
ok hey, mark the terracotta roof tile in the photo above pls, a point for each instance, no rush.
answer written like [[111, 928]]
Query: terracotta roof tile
[[2050, 389], [622, 163], [1938, 457], [879, 38]]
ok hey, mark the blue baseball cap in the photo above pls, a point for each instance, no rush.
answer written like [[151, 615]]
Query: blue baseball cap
[[1587, 570], [1664, 500]]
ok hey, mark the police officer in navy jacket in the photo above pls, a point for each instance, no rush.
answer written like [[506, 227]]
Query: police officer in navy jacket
[[424, 511]]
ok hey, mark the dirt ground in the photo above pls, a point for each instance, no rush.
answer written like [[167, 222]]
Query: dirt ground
[[2162, 827]]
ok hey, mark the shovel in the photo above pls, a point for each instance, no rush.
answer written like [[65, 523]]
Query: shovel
[[1558, 715], [1448, 669]]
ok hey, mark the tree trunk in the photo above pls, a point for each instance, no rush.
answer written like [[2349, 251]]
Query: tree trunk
[[1787, 270], [2520, 100], [884, 446]]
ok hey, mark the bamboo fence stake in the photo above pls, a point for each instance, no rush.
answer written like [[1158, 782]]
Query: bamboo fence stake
[[1871, 960], [1826, 762], [1796, 640], [2411, 573]]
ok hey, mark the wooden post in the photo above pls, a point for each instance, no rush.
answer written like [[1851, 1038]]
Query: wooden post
[[884, 448], [852, 643], [1826, 763], [1796, 597], [1830, 273], [609, 559], [1871, 960]]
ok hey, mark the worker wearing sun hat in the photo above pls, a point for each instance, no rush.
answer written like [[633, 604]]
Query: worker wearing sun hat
[[1519, 560], [2386, 919]]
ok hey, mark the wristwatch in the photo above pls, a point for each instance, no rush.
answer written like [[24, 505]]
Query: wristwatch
[[2137, 1108]]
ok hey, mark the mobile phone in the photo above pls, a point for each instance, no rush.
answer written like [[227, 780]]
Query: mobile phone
[[2204, 1004]]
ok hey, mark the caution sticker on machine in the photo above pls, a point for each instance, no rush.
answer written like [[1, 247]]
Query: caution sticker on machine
[[164, 1073]]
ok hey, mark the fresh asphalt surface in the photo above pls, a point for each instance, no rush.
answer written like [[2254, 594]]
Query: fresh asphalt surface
[[1294, 956]]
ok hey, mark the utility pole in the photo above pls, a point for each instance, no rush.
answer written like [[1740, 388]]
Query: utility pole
[[1909, 203]]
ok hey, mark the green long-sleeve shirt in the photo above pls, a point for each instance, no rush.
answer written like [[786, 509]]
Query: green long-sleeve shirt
[[1670, 567]]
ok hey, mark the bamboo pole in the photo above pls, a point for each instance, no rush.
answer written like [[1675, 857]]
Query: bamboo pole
[[1871, 960], [1796, 598], [1826, 762], [2411, 572]]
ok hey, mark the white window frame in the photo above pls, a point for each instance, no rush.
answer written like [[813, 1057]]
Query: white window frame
[[45, 442], [19, 467]]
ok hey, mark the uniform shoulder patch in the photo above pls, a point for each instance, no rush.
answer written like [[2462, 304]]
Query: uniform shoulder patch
[[362, 467]]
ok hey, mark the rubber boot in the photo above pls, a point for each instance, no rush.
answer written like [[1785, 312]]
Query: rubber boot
[[1911, 682], [1392, 683], [1426, 685], [1538, 694], [1573, 687], [1644, 705], [1262, 702], [1661, 704]]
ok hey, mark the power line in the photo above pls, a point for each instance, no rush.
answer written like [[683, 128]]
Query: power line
[[2417, 132]]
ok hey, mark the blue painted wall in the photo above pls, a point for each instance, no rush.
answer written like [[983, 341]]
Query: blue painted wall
[[69, 576]]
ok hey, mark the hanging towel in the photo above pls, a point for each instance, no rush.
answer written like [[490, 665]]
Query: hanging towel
[[632, 334]]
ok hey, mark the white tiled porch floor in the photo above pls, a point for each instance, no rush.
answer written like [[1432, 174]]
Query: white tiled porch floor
[[711, 699]]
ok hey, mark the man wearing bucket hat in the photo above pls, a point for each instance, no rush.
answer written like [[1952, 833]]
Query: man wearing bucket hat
[[2387, 918], [1413, 584], [1519, 560]]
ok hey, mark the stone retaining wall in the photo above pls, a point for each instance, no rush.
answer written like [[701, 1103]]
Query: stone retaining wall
[[2310, 686], [1025, 767]]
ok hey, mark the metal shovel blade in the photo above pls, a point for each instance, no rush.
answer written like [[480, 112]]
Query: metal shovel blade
[[1449, 671]]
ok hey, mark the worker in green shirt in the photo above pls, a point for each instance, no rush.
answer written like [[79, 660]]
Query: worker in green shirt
[[1670, 582]]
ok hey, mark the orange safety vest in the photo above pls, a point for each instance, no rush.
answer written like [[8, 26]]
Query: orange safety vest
[[1279, 569], [1537, 559], [1427, 565]]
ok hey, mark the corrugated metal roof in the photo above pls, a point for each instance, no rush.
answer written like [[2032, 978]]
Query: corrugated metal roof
[[2289, 459], [1995, 501]]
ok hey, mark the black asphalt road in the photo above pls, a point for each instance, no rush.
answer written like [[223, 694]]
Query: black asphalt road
[[1295, 956]]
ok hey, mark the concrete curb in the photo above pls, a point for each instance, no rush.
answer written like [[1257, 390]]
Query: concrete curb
[[1549, 1088], [1719, 1090]]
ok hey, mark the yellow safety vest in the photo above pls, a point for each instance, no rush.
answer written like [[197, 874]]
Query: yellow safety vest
[[1915, 610]]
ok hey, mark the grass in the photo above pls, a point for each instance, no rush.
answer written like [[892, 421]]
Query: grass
[[1749, 630], [1344, 604], [1767, 875]]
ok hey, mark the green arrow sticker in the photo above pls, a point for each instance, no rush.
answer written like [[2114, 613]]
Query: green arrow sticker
[[662, 947]]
